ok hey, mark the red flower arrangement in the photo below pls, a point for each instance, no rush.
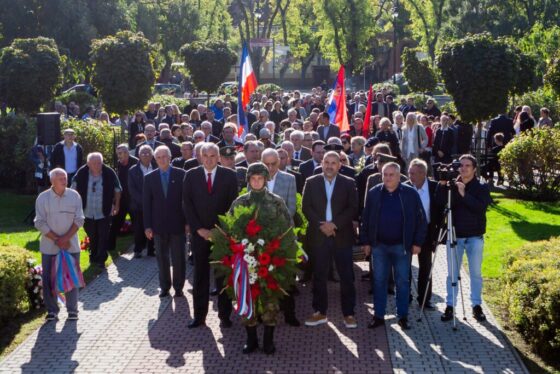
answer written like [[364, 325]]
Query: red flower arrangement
[[84, 244]]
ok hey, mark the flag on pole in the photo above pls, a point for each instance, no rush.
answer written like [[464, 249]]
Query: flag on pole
[[365, 128], [337, 103], [247, 85]]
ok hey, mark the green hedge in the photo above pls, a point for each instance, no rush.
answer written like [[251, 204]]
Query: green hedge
[[95, 136], [17, 135], [531, 163], [532, 295], [13, 278], [419, 99], [262, 88], [168, 100]]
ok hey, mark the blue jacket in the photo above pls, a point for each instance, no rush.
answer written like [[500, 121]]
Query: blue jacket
[[414, 225]]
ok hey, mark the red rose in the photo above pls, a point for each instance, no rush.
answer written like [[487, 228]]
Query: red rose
[[236, 247], [230, 279], [273, 245], [252, 228], [264, 259], [263, 272], [226, 261], [255, 291], [278, 261], [272, 285]]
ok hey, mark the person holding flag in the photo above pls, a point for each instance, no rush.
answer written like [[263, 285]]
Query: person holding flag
[[247, 85], [337, 103]]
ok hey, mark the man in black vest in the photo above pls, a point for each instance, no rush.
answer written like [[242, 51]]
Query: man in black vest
[[100, 190], [67, 155], [208, 191]]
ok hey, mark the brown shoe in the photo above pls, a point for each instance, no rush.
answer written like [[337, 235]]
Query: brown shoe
[[316, 319], [350, 322]]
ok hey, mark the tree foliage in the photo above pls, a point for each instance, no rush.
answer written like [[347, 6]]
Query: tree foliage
[[209, 63], [552, 77], [123, 71], [30, 73], [418, 74], [479, 72], [428, 19]]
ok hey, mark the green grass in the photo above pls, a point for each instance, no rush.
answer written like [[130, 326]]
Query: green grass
[[14, 231], [512, 223]]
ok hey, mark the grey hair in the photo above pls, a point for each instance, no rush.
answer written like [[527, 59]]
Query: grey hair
[[94, 155], [419, 163], [334, 140], [207, 146], [332, 154], [297, 133], [122, 146], [292, 111], [57, 171], [198, 147], [393, 165], [162, 148], [199, 133], [144, 147], [206, 124], [270, 152]]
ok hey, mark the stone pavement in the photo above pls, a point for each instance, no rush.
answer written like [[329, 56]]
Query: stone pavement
[[125, 328]]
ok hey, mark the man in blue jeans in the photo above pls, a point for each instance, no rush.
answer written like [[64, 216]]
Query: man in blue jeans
[[394, 225], [469, 202]]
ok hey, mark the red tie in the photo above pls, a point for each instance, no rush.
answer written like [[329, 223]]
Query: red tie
[[209, 182]]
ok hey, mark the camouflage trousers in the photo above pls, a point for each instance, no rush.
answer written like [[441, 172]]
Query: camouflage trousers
[[267, 317]]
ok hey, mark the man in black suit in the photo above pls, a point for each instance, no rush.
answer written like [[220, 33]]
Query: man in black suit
[[344, 170], [252, 154], [217, 126], [206, 128], [166, 138], [135, 184], [380, 107], [125, 162], [502, 124], [196, 160], [208, 192], [187, 151], [150, 132], [443, 142], [164, 220], [308, 167], [418, 174], [327, 130], [330, 203], [228, 137], [68, 155]]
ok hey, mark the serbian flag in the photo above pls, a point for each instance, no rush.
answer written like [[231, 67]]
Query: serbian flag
[[247, 85], [365, 128], [337, 103]]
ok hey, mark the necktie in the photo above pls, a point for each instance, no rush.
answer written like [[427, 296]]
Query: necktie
[[209, 183], [165, 184], [297, 155]]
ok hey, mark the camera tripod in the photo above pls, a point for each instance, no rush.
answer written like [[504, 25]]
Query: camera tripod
[[447, 232]]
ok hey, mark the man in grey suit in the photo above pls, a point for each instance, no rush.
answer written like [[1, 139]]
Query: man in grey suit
[[283, 185], [327, 130]]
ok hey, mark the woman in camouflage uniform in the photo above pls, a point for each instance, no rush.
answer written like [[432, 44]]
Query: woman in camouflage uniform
[[257, 176]]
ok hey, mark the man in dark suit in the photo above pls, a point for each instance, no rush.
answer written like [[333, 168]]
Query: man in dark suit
[[196, 160], [502, 124], [330, 203], [150, 132], [166, 138], [187, 151], [418, 174], [135, 184], [300, 152], [344, 170], [380, 107], [208, 192], [327, 130], [68, 155], [308, 167], [217, 126], [252, 154], [228, 137], [206, 128], [164, 220], [443, 143], [125, 162]]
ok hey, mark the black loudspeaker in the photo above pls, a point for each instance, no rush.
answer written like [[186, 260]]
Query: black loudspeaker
[[48, 128]]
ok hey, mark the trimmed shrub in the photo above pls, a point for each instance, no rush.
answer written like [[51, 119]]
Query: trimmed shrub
[[531, 163], [531, 285], [83, 99], [95, 136], [168, 100], [13, 278], [262, 88], [419, 99], [392, 89], [17, 135]]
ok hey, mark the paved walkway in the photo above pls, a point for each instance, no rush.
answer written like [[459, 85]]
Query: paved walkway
[[125, 328]]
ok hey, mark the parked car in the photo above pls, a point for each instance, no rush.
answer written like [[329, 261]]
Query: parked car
[[168, 89], [84, 87]]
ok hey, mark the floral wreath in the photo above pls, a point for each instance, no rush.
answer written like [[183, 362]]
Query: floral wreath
[[257, 252]]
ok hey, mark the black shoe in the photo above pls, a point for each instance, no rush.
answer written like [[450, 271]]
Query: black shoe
[[214, 292], [403, 323], [366, 276], [51, 317], [138, 255], [292, 321], [478, 314], [376, 322], [196, 323], [163, 294], [252, 340], [448, 314], [226, 322], [333, 279], [391, 291], [268, 340], [370, 291], [151, 254], [179, 294], [72, 316]]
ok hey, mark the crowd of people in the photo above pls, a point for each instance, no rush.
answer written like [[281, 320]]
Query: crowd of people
[[368, 189]]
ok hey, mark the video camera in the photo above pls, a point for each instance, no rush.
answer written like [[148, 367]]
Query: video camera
[[446, 172]]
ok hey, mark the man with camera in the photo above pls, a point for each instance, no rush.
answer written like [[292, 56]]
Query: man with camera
[[469, 202]]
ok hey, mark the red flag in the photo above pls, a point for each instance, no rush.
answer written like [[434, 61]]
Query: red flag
[[337, 103], [365, 127]]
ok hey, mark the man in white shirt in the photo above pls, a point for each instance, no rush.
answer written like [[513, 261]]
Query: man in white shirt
[[58, 216]]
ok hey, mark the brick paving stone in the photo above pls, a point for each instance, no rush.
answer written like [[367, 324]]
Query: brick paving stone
[[125, 328]]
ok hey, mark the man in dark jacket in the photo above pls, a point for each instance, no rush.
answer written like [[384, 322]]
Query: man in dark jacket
[[443, 143], [469, 202], [394, 225], [68, 155], [502, 124], [100, 190]]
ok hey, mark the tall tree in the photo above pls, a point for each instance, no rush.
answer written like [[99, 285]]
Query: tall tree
[[427, 18]]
